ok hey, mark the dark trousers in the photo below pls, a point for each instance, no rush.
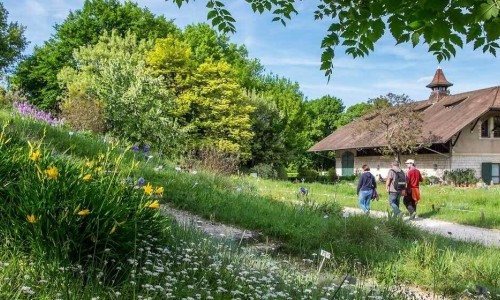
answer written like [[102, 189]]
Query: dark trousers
[[408, 201]]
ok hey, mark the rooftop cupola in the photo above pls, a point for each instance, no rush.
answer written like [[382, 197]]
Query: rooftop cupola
[[439, 86]]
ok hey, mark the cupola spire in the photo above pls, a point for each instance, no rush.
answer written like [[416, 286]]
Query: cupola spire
[[439, 85]]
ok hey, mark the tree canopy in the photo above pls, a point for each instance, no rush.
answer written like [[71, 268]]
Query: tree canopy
[[37, 75], [12, 40], [442, 25]]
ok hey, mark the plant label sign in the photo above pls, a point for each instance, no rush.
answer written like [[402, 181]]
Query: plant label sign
[[325, 254]]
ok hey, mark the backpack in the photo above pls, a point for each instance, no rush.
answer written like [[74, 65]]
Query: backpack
[[399, 180]]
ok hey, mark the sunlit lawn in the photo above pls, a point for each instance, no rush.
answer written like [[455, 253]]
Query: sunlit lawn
[[472, 206]]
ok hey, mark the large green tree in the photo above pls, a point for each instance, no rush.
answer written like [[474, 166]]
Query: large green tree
[[12, 40], [324, 114], [136, 105], [289, 101], [268, 143], [216, 110], [206, 43], [37, 75], [442, 25]]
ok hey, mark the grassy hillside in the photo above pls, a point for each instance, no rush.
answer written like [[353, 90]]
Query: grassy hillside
[[107, 235]]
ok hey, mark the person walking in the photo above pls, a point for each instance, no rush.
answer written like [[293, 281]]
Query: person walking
[[394, 185], [366, 187], [413, 179]]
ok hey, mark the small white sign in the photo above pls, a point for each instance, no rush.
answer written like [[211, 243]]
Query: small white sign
[[325, 254]]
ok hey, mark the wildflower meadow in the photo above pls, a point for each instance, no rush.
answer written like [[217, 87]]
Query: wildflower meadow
[[82, 220]]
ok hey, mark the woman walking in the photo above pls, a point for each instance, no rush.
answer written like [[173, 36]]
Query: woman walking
[[366, 186]]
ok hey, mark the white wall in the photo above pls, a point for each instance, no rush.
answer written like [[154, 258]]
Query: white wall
[[428, 164]]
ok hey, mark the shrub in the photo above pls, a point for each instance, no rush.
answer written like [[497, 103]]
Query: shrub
[[265, 171], [332, 174], [214, 160], [307, 174], [460, 176], [83, 114]]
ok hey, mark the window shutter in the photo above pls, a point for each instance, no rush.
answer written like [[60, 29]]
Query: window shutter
[[486, 172]]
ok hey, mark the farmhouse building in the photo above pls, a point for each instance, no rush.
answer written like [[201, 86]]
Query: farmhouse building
[[463, 131]]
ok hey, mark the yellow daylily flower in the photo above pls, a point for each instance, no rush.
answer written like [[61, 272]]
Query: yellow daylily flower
[[87, 177], [83, 212], [52, 172], [159, 190], [35, 155], [31, 219], [154, 204], [113, 230], [148, 189]]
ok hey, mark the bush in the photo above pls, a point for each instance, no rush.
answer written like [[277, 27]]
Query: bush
[[461, 176], [214, 160], [265, 171], [82, 114], [332, 174], [308, 175]]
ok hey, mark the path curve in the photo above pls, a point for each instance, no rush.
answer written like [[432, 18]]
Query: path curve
[[487, 237]]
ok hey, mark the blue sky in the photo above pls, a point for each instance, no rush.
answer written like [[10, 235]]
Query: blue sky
[[294, 51]]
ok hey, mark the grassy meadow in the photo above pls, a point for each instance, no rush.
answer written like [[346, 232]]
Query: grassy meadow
[[81, 220], [470, 206]]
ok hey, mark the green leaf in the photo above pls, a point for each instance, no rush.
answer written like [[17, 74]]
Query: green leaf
[[415, 38], [211, 14], [479, 42], [486, 11], [493, 51], [455, 39], [415, 25]]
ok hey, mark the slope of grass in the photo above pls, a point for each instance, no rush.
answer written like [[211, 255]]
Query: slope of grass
[[390, 250]]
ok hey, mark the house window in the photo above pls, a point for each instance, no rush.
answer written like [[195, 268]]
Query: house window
[[485, 132], [496, 127], [490, 128], [490, 172], [495, 173]]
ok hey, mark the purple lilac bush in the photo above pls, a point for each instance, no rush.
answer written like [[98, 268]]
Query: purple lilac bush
[[28, 110]]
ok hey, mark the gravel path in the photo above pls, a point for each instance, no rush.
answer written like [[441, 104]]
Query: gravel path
[[488, 237]]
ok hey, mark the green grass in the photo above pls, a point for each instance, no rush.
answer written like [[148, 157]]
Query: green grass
[[389, 250]]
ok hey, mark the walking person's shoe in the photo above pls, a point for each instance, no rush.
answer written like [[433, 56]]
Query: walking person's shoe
[[413, 215]]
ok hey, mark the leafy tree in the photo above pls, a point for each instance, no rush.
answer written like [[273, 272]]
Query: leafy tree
[[358, 25], [398, 123], [136, 103], [206, 43], [37, 75], [216, 110], [289, 100], [12, 40], [171, 58], [353, 112], [324, 114], [268, 143]]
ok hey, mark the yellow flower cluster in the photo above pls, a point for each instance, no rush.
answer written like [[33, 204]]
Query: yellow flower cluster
[[52, 172]]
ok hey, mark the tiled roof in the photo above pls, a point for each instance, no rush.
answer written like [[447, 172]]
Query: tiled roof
[[442, 120], [439, 80]]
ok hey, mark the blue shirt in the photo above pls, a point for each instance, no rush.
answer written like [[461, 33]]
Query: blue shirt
[[366, 182]]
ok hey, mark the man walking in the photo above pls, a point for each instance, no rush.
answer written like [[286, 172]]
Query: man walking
[[413, 179], [394, 185]]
